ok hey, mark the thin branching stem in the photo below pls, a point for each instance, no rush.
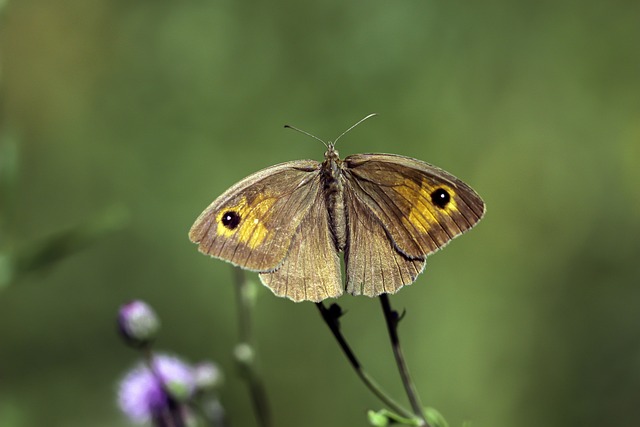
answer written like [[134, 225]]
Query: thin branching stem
[[392, 318], [331, 317], [254, 381]]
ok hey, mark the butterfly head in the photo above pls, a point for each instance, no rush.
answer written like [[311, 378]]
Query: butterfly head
[[331, 153]]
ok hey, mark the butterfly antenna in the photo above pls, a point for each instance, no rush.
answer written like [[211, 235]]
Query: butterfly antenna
[[360, 121], [306, 133]]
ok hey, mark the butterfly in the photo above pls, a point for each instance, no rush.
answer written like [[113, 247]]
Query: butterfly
[[290, 222]]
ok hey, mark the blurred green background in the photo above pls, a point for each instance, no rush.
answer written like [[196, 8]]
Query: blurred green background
[[122, 120]]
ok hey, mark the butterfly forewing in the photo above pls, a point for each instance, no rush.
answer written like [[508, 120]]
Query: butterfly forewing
[[253, 223], [421, 207]]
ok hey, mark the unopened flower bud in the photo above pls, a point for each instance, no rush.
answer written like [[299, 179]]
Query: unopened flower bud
[[208, 376], [244, 354], [138, 323]]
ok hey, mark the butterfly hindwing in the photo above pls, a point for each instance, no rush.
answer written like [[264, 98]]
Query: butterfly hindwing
[[311, 269], [253, 223], [373, 265]]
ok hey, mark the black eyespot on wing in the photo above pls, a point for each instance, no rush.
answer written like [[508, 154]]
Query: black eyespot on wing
[[440, 198], [230, 219]]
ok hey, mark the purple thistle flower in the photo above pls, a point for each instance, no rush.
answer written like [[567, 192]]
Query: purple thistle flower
[[141, 395]]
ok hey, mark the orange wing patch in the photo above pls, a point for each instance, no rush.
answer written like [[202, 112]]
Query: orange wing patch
[[423, 215], [251, 230]]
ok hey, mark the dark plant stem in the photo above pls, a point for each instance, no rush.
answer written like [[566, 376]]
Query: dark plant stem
[[392, 318], [257, 390], [214, 413], [172, 416], [244, 306], [331, 317]]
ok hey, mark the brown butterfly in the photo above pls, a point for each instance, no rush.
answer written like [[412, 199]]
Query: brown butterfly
[[290, 221]]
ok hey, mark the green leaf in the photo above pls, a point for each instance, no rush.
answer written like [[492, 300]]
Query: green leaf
[[49, 250]]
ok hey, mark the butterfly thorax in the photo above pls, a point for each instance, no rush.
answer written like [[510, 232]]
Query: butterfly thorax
[[332, 181]]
